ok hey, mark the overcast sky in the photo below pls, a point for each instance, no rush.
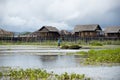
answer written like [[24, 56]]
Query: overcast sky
[[30, 15]]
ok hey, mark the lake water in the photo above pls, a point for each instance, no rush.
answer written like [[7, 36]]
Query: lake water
[[36, 61], [60, 64], [56, 63]]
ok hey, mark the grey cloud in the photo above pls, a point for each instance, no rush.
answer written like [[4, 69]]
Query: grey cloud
[[30, 15]]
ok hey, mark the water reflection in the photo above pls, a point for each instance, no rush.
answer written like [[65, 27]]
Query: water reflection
[[31, 61]]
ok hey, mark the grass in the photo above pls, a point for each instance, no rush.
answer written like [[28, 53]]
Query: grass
[[102, 56], [111, 42], [96, 43], [53, 42], [39, 74], [1, 74]]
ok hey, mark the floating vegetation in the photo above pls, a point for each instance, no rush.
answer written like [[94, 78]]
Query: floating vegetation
[[38, 74], [102, 56], [64, 47], [71, 46]]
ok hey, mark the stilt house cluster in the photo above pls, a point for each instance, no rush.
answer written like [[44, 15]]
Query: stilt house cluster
[[80, 31]]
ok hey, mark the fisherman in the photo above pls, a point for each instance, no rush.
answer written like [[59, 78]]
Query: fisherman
[[59, 42]]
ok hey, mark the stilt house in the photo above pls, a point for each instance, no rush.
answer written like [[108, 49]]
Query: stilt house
[[93, 30]]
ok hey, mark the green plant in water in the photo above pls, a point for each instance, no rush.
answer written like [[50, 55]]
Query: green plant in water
[[38, 74], [103, 56], [96, 43]]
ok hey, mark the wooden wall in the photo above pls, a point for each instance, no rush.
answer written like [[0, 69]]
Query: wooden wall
[[112, 34], [88, 34]]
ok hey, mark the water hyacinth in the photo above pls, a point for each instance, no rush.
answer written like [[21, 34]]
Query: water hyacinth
[[39, 74]]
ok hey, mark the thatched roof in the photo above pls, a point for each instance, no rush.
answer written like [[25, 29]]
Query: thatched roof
[[114, 29], [92, 27], [4, 32], [34, 33], [49, 28], [65, 32]]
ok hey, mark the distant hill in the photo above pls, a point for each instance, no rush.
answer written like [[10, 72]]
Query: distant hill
[[25, 33], [21, 33], [16, 33]]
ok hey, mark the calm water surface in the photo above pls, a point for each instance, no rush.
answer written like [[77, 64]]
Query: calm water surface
[[60, 64], [32, 61]]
